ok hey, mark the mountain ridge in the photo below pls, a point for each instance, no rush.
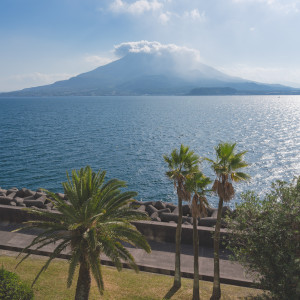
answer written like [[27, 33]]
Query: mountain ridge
[[152, 74]]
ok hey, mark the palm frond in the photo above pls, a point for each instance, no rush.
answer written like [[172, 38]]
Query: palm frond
[[74, 261], [96, 270]]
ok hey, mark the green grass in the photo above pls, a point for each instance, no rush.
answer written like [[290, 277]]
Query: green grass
[[118, 285]]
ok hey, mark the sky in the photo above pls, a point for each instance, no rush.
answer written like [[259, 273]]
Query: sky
[[42, 41]]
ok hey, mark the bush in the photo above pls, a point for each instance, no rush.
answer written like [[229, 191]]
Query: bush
[[266, 239], [12, 288]]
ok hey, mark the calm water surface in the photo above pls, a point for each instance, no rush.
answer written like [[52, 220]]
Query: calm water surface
[[41, 138]]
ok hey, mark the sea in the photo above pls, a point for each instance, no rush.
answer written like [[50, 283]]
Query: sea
[[43, 138]]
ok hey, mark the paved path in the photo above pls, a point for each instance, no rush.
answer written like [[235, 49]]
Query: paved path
[[160, 260]]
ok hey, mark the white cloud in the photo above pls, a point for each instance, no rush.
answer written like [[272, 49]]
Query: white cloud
[[154, 48], [194, 14], [95, 60], [135, 8], [177, 59], [283, 6], [165, 17]]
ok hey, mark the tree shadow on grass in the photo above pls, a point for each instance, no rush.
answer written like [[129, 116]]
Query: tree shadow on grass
[[171, 292]]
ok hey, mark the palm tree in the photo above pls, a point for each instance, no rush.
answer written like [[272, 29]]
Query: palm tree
[[180, 164], [197, 184], [95, 219], [225, 167]]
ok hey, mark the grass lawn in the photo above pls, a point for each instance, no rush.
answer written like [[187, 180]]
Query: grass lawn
[[118, 285]]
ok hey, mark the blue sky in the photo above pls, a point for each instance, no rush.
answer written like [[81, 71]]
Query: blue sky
[[42, 41]]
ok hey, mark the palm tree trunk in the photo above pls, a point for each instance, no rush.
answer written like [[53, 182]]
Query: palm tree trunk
[[216, 295], [196, 295], [83, 282], [177, 276]]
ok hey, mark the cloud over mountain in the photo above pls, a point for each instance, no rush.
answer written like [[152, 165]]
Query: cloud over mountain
[[182, 58]]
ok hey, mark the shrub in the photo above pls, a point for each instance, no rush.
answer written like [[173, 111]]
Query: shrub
[[12, 288], [266, 238]]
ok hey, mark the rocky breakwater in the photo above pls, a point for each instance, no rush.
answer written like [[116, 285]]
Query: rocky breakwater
[[26, 198], [158, 211]]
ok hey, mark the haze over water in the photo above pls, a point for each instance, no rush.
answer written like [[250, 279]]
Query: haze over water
[[41, 138]]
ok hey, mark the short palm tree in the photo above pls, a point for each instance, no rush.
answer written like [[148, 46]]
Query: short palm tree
[[180, 164], [226, 168], [95, 219], [196, 184]]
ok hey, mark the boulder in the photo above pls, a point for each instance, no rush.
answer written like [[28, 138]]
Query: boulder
[[21, 193], [209, 211], [60, 195], [165, 210], [154, 215], [39, 203], [39, 194], [136, 204], [225, 210], [3, 191], [12, 203], [150, 209], [18, 200], [29, 193], [171, 206], [157, 219], [5, 200], [29, 198], [149, 203], [11, 193], [187, 223], [142, 208], [49, 206], [43, 198], [175, 211], [159, 205], [12, 190], [167, 217], [186, 209]]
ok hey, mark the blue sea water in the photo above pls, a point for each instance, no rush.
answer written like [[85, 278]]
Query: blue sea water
[[42, 138]]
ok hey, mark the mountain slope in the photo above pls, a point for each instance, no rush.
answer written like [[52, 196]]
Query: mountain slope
[[151, 74]]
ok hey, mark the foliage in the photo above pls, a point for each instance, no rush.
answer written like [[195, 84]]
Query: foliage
[[197, 184], [95, 219], [226, 167], [12, 288], [181, 164], [266, 238]]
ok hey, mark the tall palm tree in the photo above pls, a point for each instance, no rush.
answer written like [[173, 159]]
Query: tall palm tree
[[180, 164], [197, 184], [226, 168], [95, 219]]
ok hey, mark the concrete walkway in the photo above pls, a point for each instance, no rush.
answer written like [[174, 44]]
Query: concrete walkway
[[160, 260]]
